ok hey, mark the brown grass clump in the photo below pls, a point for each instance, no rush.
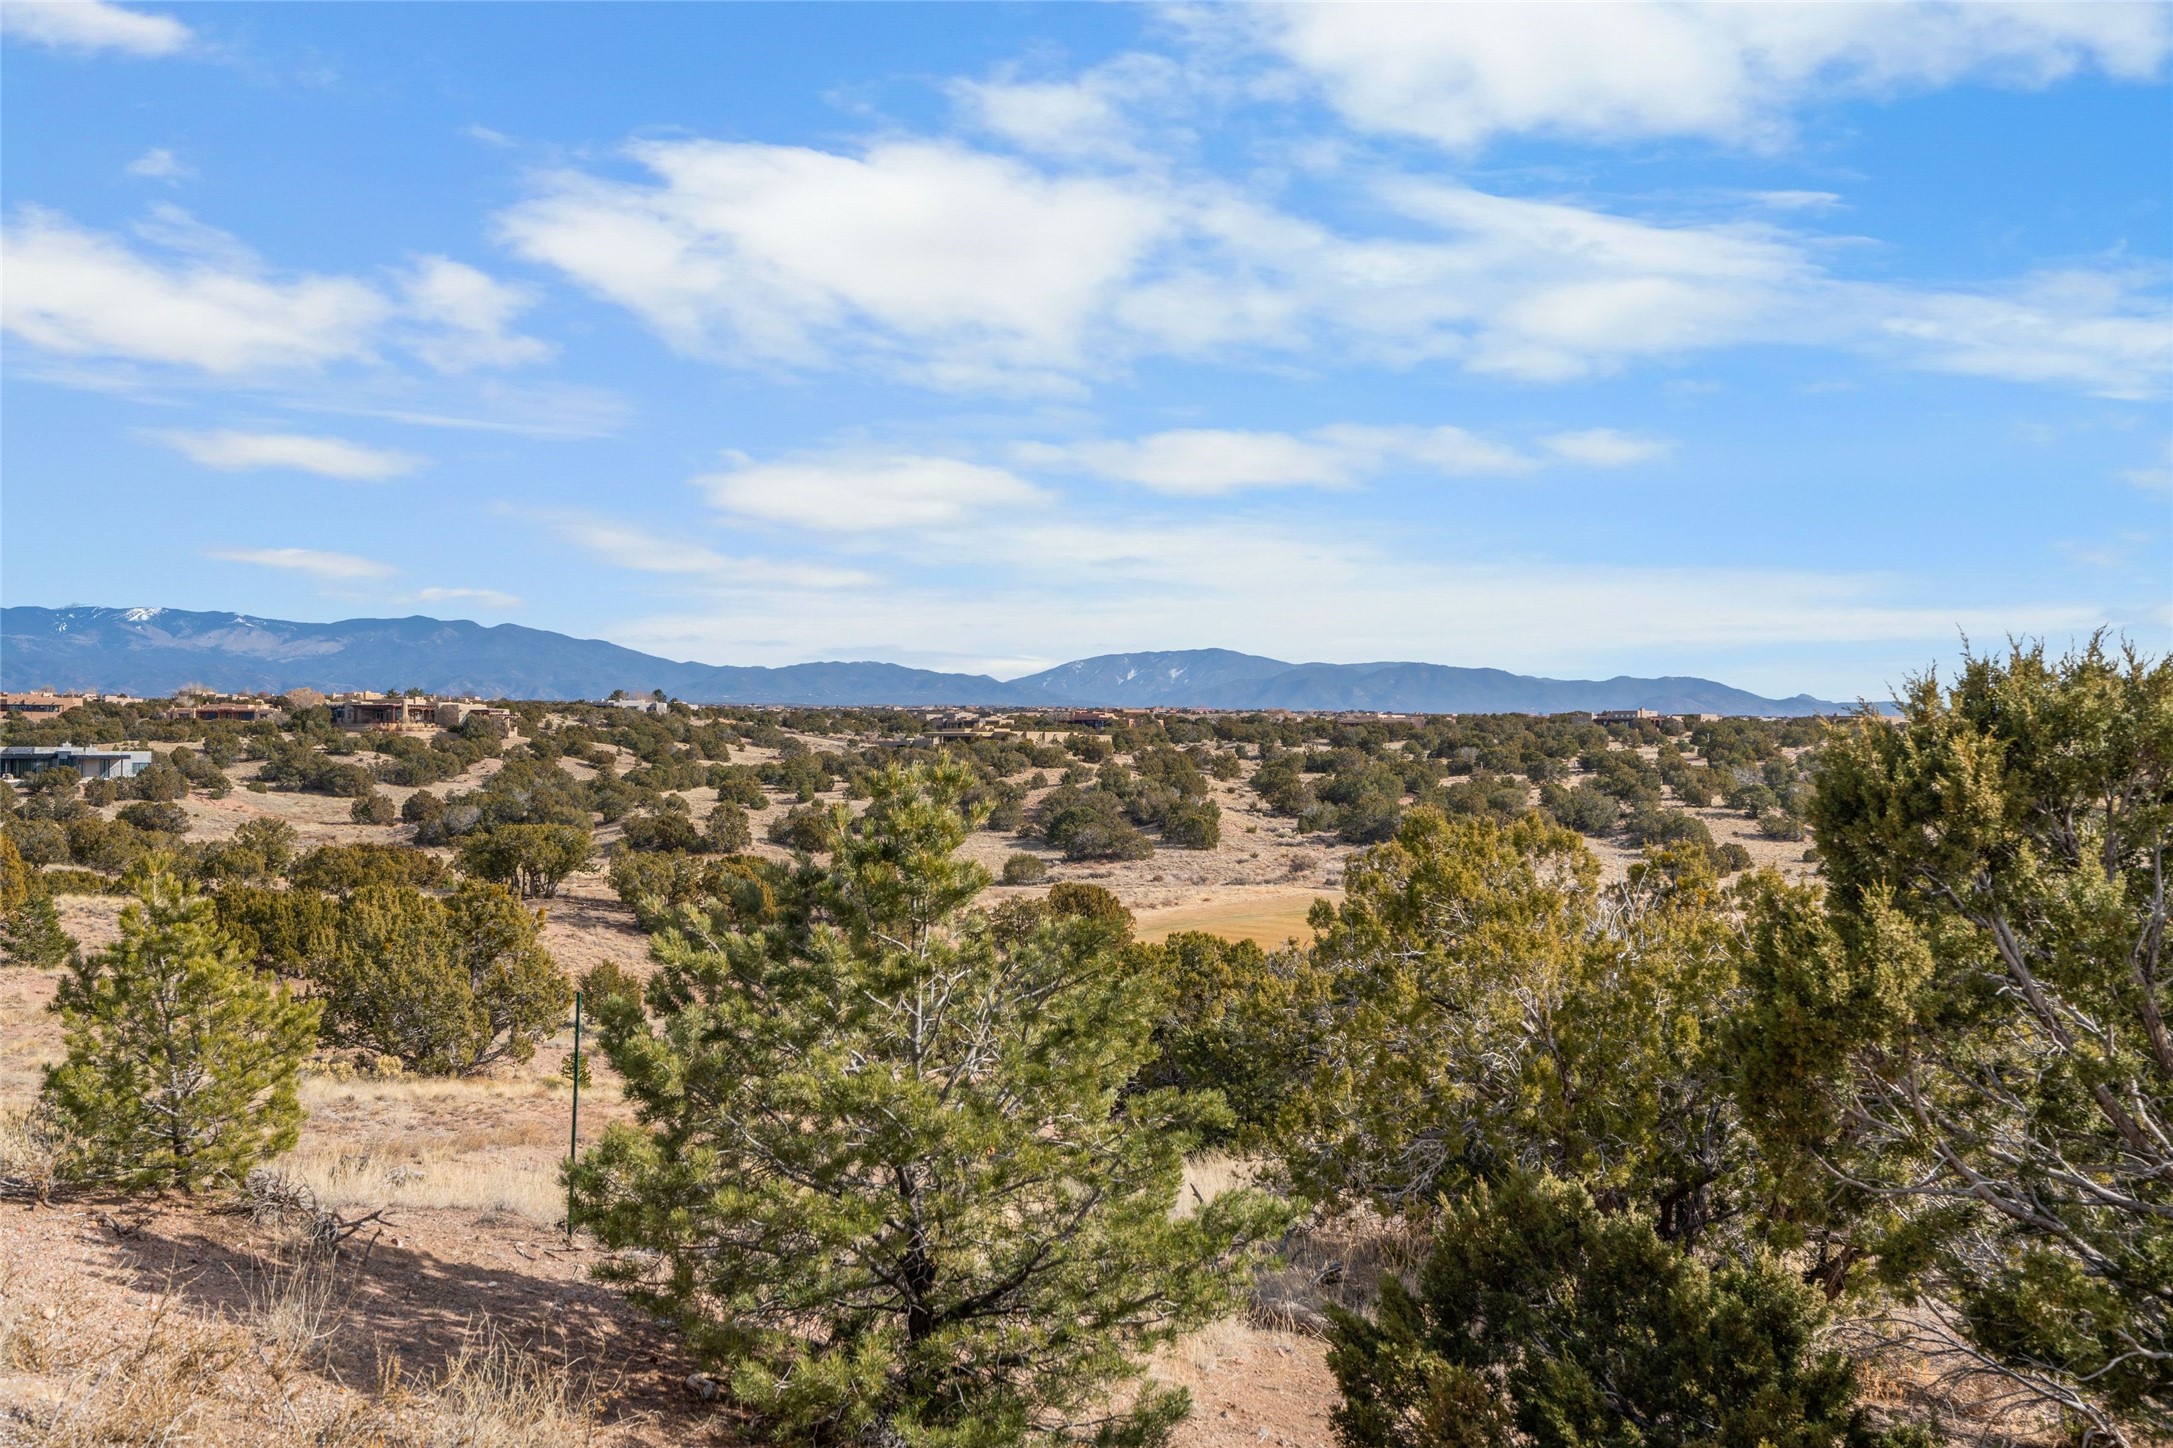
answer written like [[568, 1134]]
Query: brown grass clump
[[1335, 1262], [1324, 1261], [491, 1396], [264, 1380], [34, 1149]]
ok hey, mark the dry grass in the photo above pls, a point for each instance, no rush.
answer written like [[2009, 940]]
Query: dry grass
[[492, 1396], [159, 1391], [1338, 1262], [34, 1148], [261, 1380], [482, 1145], [1324, 1261], [1268, 919], [402, 1172], [1209, 1175]]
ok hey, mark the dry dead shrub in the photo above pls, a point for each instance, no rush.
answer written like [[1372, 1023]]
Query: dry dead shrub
[[35, 1152], [1323, 1261], [1334, 1262]]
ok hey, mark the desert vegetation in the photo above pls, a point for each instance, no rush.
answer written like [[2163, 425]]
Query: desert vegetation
[[1679, 1081]]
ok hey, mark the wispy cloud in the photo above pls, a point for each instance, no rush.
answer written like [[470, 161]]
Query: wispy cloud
[[957, 268], [93, 25], [1604, 447], [865, 493], [329, 457], [626, 545], [1210, 462], [2157, 478], [332, 567], [160, 164], [204, 300], [1093, 589], [488, 597]]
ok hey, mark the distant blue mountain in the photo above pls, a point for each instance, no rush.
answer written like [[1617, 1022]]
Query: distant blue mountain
[[154, 651]]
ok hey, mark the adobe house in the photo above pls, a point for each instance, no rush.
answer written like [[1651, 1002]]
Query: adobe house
[[40, 705], [385, 713]]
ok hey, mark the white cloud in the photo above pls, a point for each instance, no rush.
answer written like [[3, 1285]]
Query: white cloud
[[160, 164], [956, 267], [2103, 331], [92, 25], [332, 567], [86, 294], [487, 597], [623, 545], [329, 457], [1461, 74], [468, 315], [855, 493], [2154, 479], [1094, 116], [1207, 462], [1799, 200], [1604, 447], [212, 303]]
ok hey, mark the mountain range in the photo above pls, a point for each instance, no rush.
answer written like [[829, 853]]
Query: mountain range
[[155, 651]]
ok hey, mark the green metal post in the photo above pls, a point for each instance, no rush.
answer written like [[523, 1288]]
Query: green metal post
[[573, 1144]]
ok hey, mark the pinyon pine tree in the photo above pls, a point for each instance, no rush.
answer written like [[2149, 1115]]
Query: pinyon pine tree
[[30, 932], [888, 1177], [181, 1060], [31, 935]]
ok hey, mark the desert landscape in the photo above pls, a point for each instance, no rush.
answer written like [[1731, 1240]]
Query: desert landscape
[[457, 1307]]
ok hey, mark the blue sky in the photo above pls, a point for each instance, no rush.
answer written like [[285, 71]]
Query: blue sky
[[1784, 345]]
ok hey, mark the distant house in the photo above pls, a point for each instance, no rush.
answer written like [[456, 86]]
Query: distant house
[[1088, 721], [961, 724], [230, 711], [1624, 716], [452, 713], [645, 706], [19, 761], [41, 704], [392, 713]]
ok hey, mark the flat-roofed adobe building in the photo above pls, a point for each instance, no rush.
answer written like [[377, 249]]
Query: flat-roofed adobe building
[[231, 711], [19, 761], [452, 713], [41, 704], [389, 713]]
